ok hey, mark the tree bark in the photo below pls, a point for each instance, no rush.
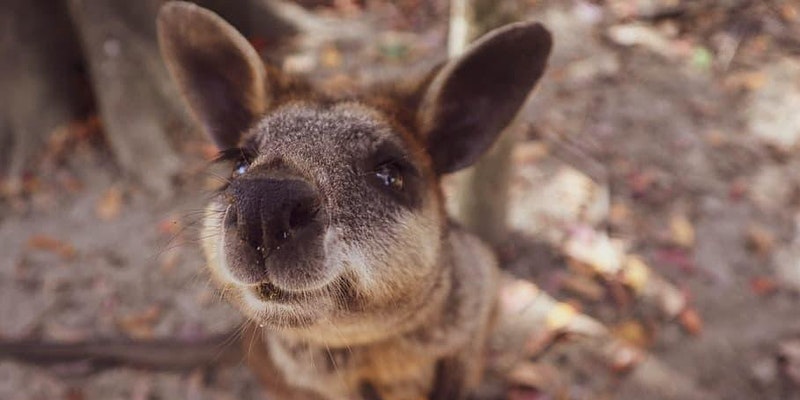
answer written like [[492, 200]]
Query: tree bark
[[482, 197], [40, 75], [136, 101]]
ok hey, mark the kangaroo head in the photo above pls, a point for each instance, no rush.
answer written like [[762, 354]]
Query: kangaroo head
[[332, 222]]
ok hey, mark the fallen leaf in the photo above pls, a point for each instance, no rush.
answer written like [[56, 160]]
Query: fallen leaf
[[619, 214], [763, 285], [583, 286], [110, 204], [623, 357], [595, 249], [331, 57], [632, 332], [746, 80], [760, 240], [560, 316], [790, 13], [539, 376], [140, 325], [635, 273], [529, 152], [681, 231], [170, 226], [690, 321], [640, 182], [52, 245]]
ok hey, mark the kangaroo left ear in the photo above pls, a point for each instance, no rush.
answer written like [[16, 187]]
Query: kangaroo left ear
[[474, 97], [218, 72]]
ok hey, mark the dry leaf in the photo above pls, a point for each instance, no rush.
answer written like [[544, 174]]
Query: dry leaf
[[140, 325], [331, 57], [169, 226], [529, 152], [109, 206], [760, 240], [681, 231], [635, 273], [691, 322], [595, 249], [535, 375], [749, 80], [790, 12], [584, 287], [763, 285], [619, 213], [632, 332], [52, 245], [560, 316]]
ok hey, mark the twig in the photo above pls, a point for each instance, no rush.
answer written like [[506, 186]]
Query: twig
[[171, 355]]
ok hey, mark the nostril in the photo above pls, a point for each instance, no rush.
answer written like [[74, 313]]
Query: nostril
[[302, 214]]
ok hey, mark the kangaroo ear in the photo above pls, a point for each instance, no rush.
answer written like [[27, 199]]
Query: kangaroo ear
[[474, 97], [218, 72]]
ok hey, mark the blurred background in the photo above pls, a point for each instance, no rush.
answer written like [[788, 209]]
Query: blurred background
[[650, 189]]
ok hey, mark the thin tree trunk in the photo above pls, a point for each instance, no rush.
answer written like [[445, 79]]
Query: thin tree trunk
[[128, 80], [482, 197], [40, 77]]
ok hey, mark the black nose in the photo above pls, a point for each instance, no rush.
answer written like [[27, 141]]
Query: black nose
[[272, 212]]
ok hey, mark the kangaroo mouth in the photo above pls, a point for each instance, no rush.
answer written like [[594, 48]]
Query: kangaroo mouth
[[267, 291]]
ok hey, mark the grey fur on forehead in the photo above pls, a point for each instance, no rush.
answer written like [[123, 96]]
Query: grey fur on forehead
[[350, 126]]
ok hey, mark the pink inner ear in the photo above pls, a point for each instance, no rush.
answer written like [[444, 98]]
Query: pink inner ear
[[477, 95]]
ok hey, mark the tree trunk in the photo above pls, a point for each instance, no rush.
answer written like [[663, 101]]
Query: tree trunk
[[482, 196], [40, 76], [136, 100]]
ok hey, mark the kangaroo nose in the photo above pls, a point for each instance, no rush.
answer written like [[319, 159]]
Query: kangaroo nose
[[272, 212]]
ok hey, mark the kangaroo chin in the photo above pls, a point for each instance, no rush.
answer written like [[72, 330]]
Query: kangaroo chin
[[330, 235]]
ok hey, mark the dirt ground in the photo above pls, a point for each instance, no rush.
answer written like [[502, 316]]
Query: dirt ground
[[682, 122]]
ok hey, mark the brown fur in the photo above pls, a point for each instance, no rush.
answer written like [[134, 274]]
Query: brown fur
[[332, 236]]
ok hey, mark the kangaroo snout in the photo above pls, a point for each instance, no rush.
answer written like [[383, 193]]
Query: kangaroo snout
[[273, 224]]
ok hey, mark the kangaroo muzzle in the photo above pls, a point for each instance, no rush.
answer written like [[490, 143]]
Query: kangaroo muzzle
[[274, 230]]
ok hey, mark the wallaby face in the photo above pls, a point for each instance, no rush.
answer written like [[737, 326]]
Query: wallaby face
[[331, 223], [331, 230]]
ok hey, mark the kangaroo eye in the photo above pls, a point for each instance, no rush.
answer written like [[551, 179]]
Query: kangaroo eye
[[240, 168], [389, 176]]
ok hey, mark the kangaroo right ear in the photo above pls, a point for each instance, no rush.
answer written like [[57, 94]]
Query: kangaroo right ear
[[473, 97], [219, 73]]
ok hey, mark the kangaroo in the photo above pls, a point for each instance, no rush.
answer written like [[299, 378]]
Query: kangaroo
[[331, 234]]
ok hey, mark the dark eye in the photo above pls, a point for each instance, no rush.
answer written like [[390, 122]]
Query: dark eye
[[240, 167], [390, 176]]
